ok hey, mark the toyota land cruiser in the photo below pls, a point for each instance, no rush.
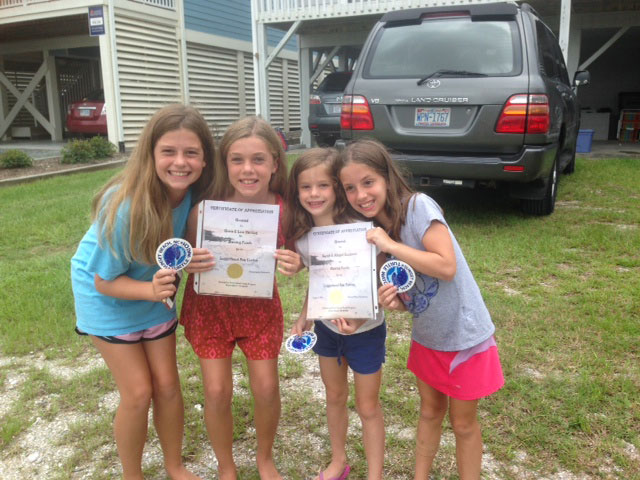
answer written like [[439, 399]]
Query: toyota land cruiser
[[468, 94]]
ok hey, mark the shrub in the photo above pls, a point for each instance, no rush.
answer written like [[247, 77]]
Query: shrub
[[102, 147], [77, 151], [15, 159]]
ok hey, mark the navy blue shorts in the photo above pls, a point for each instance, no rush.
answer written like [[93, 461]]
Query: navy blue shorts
[[365, 352]]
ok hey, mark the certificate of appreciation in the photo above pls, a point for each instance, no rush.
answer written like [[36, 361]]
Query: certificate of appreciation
[[342, 272], [242, 238]]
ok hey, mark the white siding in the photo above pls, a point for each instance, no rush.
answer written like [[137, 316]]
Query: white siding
[[276, 109], [293, 79], [221, 86], [148, 67], [249, 83], [213, 85]]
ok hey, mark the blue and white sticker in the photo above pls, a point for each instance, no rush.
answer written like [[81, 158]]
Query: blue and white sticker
[[174, 254], [302, 343], [397, 273]]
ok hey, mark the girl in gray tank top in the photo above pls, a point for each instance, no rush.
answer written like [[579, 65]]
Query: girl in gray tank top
[[453, 352]]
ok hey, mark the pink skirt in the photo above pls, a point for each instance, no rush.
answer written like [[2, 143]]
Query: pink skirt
[[465, 375]]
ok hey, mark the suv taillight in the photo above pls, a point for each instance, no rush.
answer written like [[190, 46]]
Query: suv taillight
[[315, 100], [356, 114], [524, 114]]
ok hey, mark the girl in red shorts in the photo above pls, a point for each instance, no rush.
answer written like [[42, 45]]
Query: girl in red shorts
[[251, 169]]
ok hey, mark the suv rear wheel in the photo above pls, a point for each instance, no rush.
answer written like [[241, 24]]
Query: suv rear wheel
[[546, 204], [571, 166]]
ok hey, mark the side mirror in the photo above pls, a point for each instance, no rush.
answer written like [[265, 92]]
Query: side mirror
[[581, 77]]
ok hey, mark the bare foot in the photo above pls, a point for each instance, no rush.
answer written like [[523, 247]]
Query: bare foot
[[181, 473], [267, 470]]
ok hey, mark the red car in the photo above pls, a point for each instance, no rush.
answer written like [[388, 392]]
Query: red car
[[88, 115]]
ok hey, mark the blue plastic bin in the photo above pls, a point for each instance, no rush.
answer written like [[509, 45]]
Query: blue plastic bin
[[585, 137]]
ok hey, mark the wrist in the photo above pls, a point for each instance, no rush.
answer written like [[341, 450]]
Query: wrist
[[150, 292], [392, 248]]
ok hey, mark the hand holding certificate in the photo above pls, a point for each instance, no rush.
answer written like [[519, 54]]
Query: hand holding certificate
[[342, 272], [243, 238]]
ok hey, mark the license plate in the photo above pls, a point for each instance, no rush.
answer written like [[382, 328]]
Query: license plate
[[337, 108], [433, 117], [85, 113]]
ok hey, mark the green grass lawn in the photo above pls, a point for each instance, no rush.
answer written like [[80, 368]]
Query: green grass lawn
[[563, 292]]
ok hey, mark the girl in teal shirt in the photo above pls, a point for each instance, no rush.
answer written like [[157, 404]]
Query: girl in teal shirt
[[118, 289]]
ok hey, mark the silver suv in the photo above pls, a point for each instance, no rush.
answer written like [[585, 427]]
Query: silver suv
[[325, 106], [468, 94]]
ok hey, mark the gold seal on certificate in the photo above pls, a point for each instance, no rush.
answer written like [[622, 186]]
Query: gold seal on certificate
[[234, 270], [242, 238], [342, 272]]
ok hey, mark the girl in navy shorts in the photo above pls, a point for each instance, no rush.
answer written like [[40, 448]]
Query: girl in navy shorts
[[118, 288], [316, 199], [453, 353]]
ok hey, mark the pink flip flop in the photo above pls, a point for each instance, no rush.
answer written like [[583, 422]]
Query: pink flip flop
[[343, 475]]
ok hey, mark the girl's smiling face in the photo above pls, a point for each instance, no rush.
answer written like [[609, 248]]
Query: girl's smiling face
[[316, 194], [250, 165], [179, 159], [366, 190]]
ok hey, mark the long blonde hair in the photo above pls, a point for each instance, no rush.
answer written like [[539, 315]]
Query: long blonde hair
[[374, 155], [251, 126], [150, 211], [298, 220]]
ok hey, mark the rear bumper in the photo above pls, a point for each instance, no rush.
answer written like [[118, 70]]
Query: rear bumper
[[87, 126], [536, 163], [324, 125]]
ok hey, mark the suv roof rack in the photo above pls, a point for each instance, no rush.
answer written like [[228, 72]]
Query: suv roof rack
[[528, 8], [488, 10]]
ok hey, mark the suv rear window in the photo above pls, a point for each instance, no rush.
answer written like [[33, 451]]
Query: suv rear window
[[451, 43], [335, 82]]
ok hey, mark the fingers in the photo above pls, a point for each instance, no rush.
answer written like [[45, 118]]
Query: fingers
[[202, 261], [300, 327], [379, 238], [388, 296], [289, 262], [297, 329], [163, 283], [343, 325], [164, 275]]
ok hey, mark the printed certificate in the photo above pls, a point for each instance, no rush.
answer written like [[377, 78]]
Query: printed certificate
[[242, 238], [342, 272]]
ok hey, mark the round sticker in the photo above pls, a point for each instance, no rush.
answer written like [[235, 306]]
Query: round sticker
[[399, 274], [302, 343], [174, 254]]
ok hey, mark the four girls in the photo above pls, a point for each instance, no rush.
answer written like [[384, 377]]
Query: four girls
[[118, 292]]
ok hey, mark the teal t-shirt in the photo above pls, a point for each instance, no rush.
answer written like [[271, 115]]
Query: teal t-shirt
[[99, 314]]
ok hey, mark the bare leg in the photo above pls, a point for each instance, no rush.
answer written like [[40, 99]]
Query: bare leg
[[130, 370], [336, 386], [168, 408], [464, 421], [433, 407], [265, 386], [218, 391], [370, 411]]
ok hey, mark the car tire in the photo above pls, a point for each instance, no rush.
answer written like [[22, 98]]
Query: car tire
[[571, 166], [546, 204]]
